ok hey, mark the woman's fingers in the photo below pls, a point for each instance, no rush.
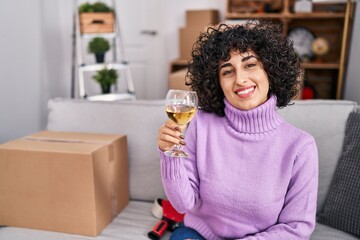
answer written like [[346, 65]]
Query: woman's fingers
[[170, 134], [170, 124]]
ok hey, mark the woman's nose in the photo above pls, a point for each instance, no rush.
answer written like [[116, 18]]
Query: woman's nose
[[241, 78]]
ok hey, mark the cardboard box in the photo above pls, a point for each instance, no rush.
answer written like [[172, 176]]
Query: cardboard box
[[96, 22], [201, 18], [177, 80], [197, 21], [188, 37], [65, 182]]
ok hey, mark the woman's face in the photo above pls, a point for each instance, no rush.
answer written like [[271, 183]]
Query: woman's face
[[244, 81]]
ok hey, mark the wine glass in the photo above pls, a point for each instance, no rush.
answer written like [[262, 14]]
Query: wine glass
[[180, 107]]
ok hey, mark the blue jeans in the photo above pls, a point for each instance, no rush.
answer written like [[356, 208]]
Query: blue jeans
[[182, 232]]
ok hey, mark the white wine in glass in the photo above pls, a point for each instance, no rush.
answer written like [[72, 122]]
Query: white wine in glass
[[180, 107]]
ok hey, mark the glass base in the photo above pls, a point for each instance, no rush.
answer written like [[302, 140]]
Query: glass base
[[176, 153]]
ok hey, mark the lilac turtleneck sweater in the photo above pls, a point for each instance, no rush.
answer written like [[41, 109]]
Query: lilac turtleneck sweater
[[250, 175]]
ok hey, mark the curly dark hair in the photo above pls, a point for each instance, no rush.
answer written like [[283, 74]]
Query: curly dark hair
[[275, 52]]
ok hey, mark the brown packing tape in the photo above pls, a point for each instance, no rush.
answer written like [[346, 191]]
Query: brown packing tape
[[114, 201], [111, 152], [114, 195], [63, 140], [77, 136]]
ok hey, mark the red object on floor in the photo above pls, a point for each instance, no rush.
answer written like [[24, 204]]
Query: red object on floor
[[168, 221], [170, 212]]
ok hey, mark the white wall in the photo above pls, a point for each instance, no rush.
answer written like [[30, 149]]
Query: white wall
[[20, 67], [35, 44], [35, 62]]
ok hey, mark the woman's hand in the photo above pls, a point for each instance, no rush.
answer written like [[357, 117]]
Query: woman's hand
[[169, 134]]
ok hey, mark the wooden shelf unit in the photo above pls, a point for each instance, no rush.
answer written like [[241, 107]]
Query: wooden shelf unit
[[286, 15], [326, 75], [320, 66]]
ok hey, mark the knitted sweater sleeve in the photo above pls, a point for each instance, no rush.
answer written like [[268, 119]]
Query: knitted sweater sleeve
[[298, 216], [179, 175]]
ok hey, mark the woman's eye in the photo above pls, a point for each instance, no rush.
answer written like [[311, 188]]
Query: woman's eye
[[227, 72], [250, 65]]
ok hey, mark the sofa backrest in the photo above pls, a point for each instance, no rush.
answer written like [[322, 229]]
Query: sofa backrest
[[326, 121], [140, 121]]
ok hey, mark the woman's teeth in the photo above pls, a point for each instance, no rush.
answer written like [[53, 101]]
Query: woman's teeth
[[246, 91]]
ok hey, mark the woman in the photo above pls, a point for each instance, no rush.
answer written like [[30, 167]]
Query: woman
[[250, 174]]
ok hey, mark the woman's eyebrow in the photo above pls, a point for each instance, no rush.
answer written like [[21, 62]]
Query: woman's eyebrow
[[242, 60], [248, 57], [225, 65]]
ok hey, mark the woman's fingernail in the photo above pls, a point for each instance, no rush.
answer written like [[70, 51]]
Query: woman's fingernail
[[182, 142], [177, 128], [182, 136]]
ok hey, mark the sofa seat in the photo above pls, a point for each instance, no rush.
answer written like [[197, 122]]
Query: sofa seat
[[134, 222]]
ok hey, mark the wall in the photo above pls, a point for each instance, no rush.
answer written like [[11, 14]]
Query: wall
[[20, 67]]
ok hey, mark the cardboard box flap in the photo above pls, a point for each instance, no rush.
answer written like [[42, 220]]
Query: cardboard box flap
[[52, 146]]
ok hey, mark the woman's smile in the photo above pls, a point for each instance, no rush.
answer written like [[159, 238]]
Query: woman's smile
[[245, 91]]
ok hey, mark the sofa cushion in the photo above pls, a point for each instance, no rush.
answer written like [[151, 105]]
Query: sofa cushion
[[342, 207], [139, 120], [325, 120], [323, 232]]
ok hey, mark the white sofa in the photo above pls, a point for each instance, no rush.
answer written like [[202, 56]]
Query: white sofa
[[140, 120]]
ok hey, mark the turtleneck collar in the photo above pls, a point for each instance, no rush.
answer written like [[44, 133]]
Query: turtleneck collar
[[260, 119]]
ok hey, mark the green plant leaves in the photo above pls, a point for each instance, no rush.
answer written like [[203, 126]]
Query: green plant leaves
[[95, 7], [98, 45]]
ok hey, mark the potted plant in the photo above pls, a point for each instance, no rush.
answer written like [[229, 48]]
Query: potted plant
[[95, 7], [99, 46], [106, 78], [96, 18]]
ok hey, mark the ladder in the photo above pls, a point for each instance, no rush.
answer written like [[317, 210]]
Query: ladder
[[119, 61]]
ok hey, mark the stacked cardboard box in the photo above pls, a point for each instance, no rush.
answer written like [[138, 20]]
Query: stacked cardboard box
[[196, 21], [177, 80], [63, 181]]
